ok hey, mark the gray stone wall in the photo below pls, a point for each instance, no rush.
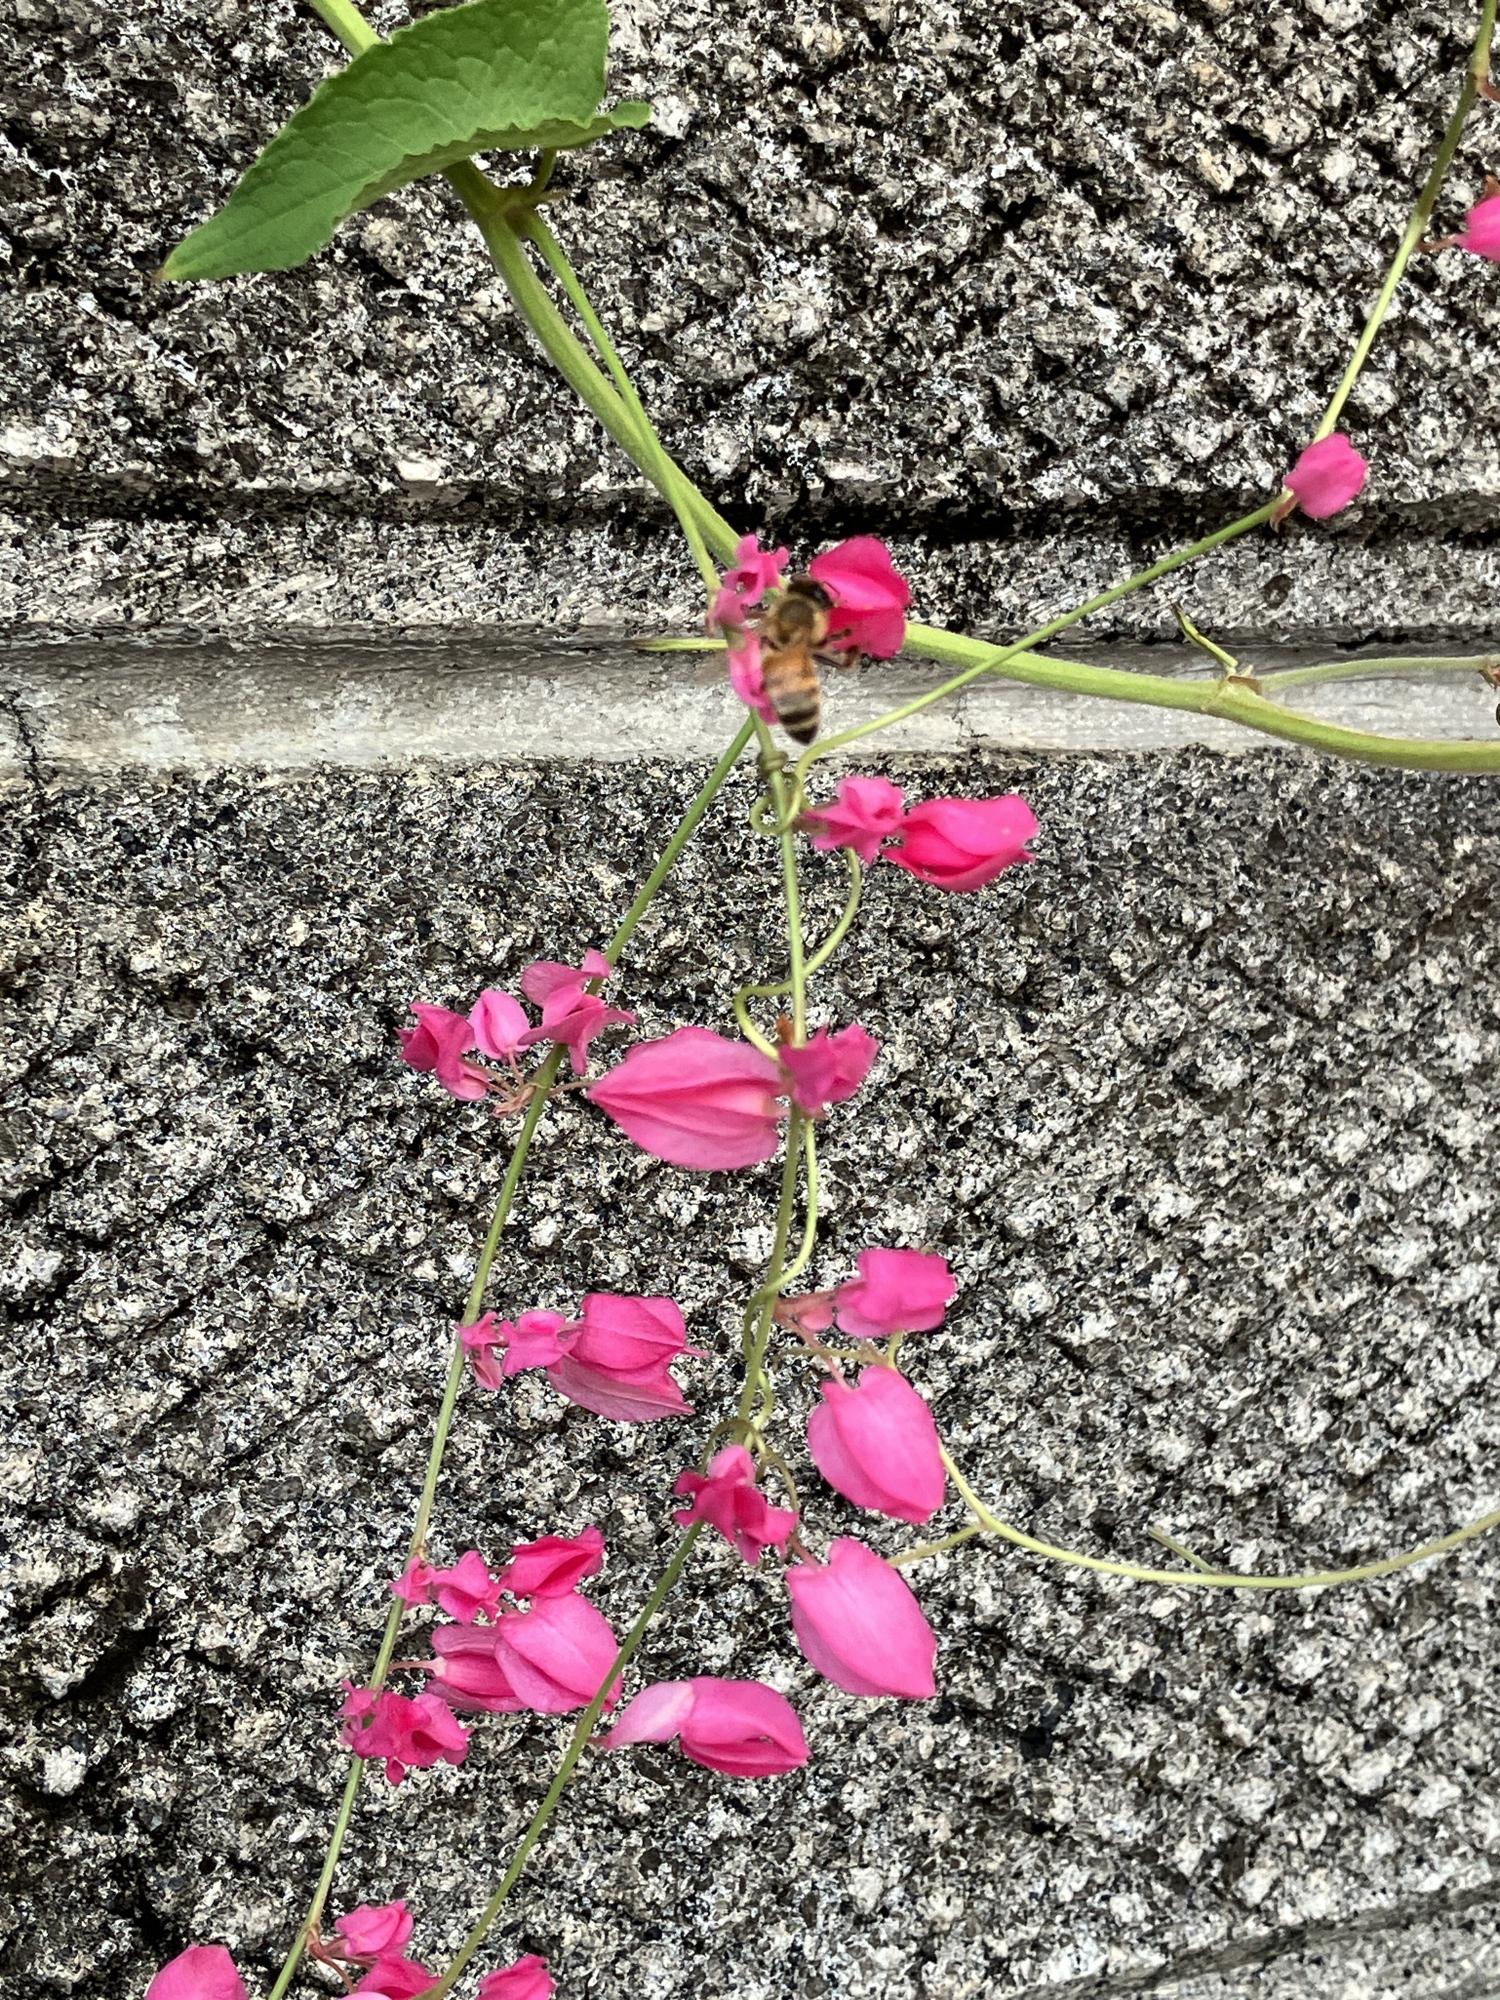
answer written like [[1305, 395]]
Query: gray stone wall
[[1201, 1107], [1029, 288]]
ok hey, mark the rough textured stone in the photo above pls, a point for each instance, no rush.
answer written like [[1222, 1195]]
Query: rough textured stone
[[1202, 1107], [1069, 280]]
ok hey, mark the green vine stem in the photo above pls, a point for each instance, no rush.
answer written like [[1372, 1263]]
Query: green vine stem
[[761, 1311], [1224, 698], [1200, 1577], [546, 1076], [1475, 75]]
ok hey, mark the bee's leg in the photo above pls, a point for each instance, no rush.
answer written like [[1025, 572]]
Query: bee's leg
[[840, 657]]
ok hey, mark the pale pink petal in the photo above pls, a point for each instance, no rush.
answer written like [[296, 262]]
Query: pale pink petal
[[897, 1291], [202, 1972], [696, 1099], [557, 1653], [527, 1979], [877, 1445], [498, 1022], [553, 1565], [858, 1622]]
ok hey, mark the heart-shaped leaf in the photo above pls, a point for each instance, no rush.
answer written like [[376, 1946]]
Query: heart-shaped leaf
[[489, 76]]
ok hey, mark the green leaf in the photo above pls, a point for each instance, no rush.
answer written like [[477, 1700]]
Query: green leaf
[[489, 76]]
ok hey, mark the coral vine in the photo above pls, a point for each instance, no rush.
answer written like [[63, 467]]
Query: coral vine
[[522, 1637]]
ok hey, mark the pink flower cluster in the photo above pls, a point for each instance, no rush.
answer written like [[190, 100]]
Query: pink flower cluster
[[698, 1099], [614, 1359], [955, 844], [498, 1028], [1327, 476], [548, 1659], [870, 600], [371, 1939]]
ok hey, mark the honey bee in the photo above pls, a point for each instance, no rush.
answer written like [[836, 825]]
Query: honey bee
[[793, 635]]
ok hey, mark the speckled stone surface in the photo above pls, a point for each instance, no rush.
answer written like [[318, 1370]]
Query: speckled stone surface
[[1202, 1108], [1036, 289]]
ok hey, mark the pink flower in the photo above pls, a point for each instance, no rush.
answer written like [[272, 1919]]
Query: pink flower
[[407, 1733], [752, 573], [870, 599], [696, 1099], [467, 1673], [1481, 231], [897, 1291], [439, 1042], [546, 976], [414, 1584], [960, 844], [202, 1972], [878, 1446], [498, 1023], [467, 1591], [745, 675], [865, 813], [535, 1340], [557, 1654], [396, 1979], [527, 1979], [618, 1362], [480, 1338], [742, 1728], [375, 1930], [571, 1015], [554, 1565], [859, 1624], [732, 1502], [830, 1067], [1327, 476]]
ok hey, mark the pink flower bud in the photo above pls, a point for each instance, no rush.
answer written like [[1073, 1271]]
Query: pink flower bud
[[729, 1498], [865, 813], [498, 1023], [1327, 476], [467, 1591], [742, 1728], [696, 1099], [396, 1979], [202, 1972], [375, 1930], [554, 1565], [466, 1673], [752, 573], [439, 1042], [897, 1291], [870, 598], [557, 1654], [960, 844], [527, 1979], [1481, 231], [830, 1067], [878, 1446], [859, 1624]]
